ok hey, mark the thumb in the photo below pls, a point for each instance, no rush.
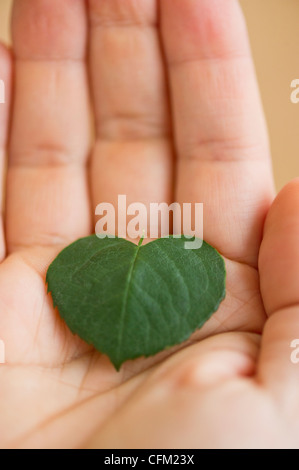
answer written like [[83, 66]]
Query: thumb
[[279, 274]]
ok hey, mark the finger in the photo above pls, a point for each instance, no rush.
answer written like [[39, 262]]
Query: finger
[[279, 273], [132, 155], [221, 138], [5, 89], [47, 196]]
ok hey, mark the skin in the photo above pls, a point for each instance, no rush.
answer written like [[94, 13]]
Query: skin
[[177, 116]]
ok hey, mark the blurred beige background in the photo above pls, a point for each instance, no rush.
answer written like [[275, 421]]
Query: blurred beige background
[[274, 34]]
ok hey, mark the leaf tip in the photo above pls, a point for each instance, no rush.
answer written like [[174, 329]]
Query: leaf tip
[[116, 364]]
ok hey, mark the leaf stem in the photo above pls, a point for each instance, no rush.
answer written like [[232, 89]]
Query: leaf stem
[[141, 240]]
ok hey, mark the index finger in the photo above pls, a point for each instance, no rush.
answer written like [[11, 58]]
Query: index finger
[[221, 138]]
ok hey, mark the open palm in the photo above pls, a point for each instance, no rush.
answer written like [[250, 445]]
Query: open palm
[[177, 118]]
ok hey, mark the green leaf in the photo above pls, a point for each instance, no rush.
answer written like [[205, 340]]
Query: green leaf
[[130, 301]]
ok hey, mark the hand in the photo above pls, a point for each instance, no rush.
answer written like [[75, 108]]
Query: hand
[[177, 117]]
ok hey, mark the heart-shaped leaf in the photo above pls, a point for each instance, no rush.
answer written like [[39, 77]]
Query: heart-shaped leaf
[[130, 301]]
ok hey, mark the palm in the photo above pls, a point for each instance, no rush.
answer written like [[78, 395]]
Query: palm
[[61, 377], [221, 159]]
